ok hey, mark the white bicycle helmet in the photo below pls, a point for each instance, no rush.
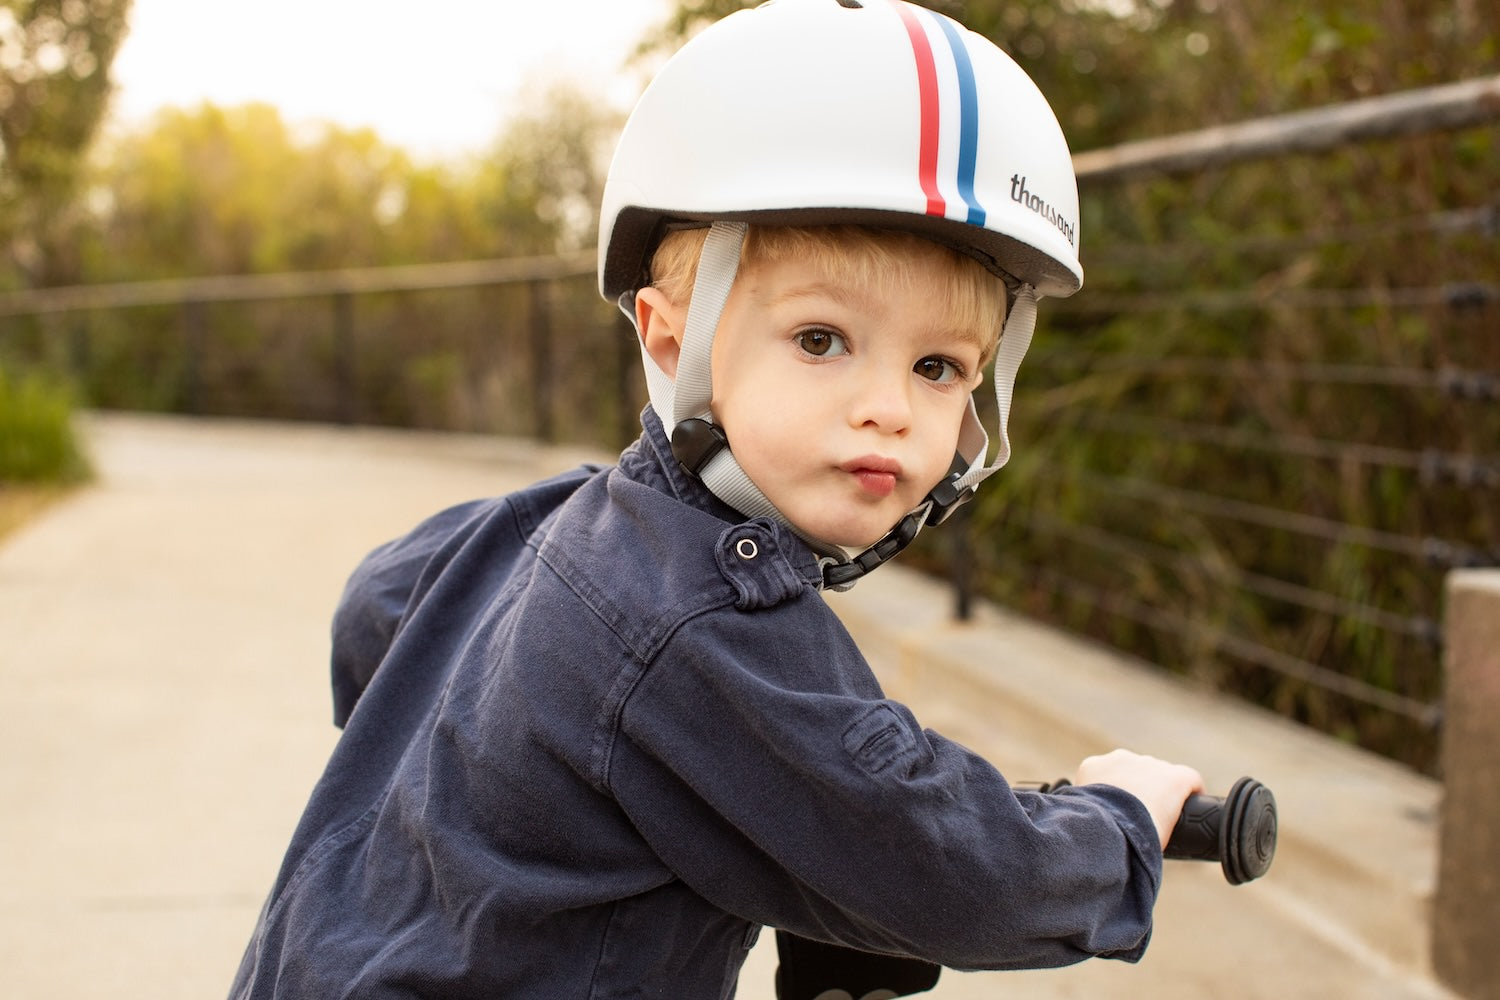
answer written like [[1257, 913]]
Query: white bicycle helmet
[[823, 112]]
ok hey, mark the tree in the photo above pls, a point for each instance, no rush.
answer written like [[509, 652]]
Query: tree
[[236, 190], [542, 184], [55, 57], [216, 190]]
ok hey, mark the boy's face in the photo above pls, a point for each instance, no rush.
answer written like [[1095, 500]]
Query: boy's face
[[843, 404]]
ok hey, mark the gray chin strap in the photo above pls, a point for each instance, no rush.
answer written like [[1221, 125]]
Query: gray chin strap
[[683, 406]]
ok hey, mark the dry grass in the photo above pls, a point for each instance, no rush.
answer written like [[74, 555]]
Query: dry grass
[[20, 504]]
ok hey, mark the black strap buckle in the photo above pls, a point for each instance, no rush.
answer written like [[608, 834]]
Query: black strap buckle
[[946, 497], [695, 442]]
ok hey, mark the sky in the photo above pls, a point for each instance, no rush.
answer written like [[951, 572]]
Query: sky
[[438, 77]]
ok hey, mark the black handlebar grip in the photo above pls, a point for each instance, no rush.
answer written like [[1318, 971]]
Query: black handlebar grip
[[1196, 835], [1238, 831]]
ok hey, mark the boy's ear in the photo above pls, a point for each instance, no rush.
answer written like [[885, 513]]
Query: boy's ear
[[660, 322]]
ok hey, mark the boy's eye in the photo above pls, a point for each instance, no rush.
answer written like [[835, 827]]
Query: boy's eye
[[822, 343], [938, 370]]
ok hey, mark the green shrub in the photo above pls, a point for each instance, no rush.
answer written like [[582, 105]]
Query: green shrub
[[37, 443]]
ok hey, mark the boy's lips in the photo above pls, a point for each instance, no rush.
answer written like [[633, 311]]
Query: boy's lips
[[876, 475]]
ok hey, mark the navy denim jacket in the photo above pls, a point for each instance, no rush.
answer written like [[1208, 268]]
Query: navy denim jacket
[[598, 732]]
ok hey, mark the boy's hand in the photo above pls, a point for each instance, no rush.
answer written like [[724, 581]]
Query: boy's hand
[[1163, 787]]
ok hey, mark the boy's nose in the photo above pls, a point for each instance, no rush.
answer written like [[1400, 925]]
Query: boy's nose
[[883, 402]]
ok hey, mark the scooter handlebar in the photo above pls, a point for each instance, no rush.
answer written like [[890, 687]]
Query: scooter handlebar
[[1238, 830]]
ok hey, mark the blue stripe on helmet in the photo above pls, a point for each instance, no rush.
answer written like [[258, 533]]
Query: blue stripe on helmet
[[968, 102]]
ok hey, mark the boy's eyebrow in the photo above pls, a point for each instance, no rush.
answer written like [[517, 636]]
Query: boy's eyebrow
[[847, 295]]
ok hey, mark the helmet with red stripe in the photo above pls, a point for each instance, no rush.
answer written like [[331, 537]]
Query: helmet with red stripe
[[826, 112]]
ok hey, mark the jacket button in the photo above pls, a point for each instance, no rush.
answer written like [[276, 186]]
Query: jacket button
[[746, 548]]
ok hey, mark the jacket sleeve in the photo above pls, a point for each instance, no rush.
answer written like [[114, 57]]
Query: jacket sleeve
[[760, 760], [376, 598]]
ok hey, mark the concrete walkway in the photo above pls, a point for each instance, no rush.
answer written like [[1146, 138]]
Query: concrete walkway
[[163, 649]]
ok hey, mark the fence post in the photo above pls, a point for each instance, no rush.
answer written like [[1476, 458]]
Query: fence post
[[190, 390], [80, 354], [1466, 909], [960, 537], [343, 358], [543, 375]]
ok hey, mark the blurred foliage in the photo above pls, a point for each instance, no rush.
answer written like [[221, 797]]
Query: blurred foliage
[[55, 57], [238, 191], [37, 444], [1149, 420]]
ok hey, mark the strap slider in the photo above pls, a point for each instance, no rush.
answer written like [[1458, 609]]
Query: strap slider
[[947, 497], [695, 442]]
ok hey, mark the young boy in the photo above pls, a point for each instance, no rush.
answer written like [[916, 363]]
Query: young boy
[[598, 733]]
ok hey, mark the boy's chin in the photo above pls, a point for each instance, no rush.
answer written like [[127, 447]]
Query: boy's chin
[[842, 538], [855, 532]]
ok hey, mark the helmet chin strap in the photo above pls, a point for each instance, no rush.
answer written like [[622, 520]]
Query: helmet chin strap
[[683, 406]]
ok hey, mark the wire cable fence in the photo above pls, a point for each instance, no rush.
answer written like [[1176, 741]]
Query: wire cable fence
[[520, 347], [1249, 457], [1254, 456], [1276, 519]]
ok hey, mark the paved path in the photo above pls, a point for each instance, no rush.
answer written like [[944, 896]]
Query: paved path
[[163, 645]]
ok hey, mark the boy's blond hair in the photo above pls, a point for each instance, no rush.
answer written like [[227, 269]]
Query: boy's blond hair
[[973, 299]]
